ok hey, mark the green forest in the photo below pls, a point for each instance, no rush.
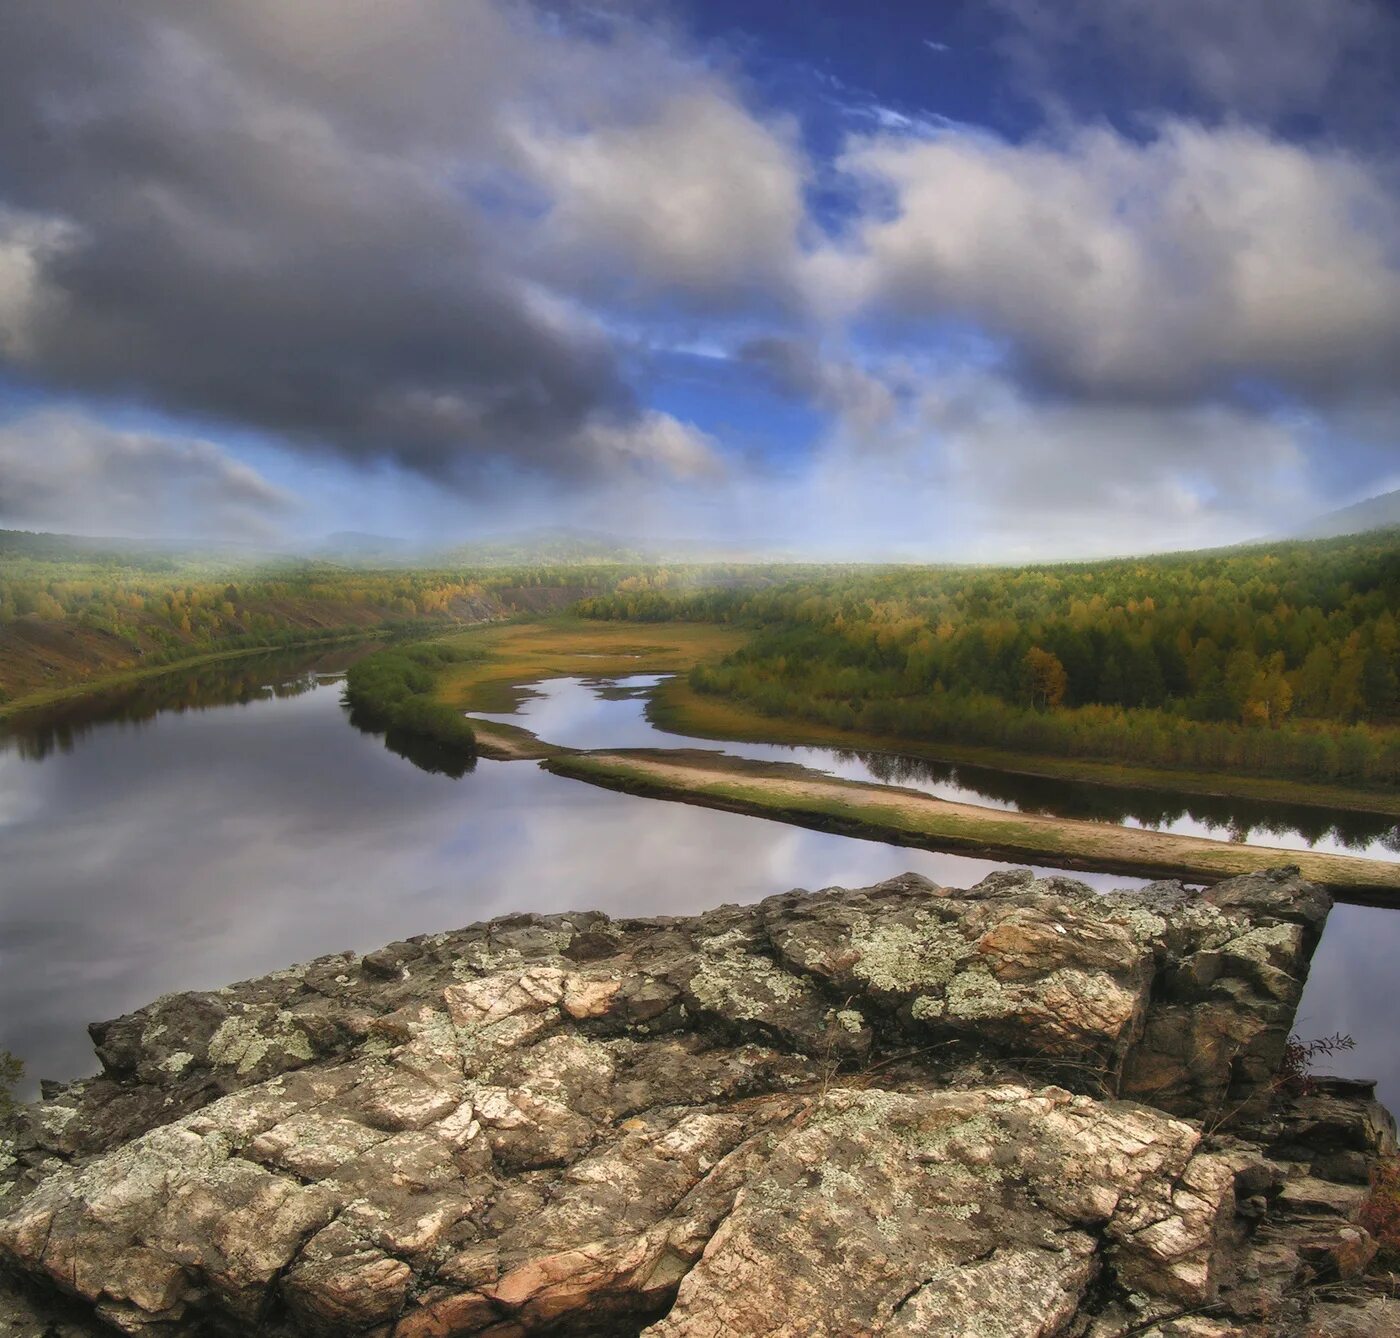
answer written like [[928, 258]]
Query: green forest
[[72, 608], [184, 598], [1279, 659]]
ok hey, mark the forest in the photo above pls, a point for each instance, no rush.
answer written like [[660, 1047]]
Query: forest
[[1277, 658], [71, 608], [197, 598]]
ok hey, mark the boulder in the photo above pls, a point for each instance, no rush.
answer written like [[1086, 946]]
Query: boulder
[[1020, 1108]]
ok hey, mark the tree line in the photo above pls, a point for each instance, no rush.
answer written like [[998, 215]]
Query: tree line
[[151, 607], [1279, 658]]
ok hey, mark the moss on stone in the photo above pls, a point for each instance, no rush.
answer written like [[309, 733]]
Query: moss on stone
[[743, 986], [55, 1119], [975, 994], [1145, 925]]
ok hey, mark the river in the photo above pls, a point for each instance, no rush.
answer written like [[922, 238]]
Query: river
[[589, 713], [212, 825]]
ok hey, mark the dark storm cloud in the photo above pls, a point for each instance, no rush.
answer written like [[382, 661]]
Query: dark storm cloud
[[266, 214]]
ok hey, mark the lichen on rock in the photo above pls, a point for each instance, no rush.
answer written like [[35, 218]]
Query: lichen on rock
[[897, 1110]]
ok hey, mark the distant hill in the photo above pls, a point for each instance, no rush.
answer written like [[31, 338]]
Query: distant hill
[[542, 547], [546, 547], [557, 547], [524, 548], [62, 547], [352, 544], [1375, 513], [110, 551]]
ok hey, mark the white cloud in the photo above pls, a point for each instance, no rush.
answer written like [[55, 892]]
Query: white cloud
[[454, 240], [1086, 478], [1123, 269], [924, 461], [862, 403], [64, 470], [1253, 57], [696, 197], [655, 445]]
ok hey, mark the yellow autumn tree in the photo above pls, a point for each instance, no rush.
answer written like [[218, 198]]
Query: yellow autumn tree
[[1046, 680]]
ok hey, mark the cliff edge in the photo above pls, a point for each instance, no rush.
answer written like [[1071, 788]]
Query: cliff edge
[[1023, 1108]]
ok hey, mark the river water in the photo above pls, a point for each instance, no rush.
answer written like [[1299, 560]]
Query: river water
[[213, 825]]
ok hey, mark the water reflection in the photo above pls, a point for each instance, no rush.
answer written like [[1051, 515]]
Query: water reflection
[[211, 845], [425, 754], [583, 713], [250, 678], [1220, 817]]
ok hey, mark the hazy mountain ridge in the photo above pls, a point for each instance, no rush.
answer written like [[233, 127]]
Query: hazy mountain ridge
[[1375, 513]]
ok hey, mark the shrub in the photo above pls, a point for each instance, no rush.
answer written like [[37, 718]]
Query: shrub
[[1380, 1214], [1295, 1072], [11, 1071], [390, 691]]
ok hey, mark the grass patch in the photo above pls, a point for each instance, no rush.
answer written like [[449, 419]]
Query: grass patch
[[392, 691], [505, 658]]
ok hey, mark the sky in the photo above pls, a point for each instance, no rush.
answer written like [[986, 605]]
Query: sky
[[979, 281]]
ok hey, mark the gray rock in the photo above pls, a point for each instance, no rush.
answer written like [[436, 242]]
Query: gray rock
[[901, 1110]]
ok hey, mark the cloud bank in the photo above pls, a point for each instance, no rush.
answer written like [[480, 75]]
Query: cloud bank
[[283, 217], [66, 471], [1155, 270], [472, 246]]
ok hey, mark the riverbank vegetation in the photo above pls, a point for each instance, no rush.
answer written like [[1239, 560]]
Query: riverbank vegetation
[[500, 662], [1278, 660], [677, 707], [391, 691]]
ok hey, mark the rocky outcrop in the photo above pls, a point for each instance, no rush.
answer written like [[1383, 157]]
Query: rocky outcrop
[[1022, 1108]]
